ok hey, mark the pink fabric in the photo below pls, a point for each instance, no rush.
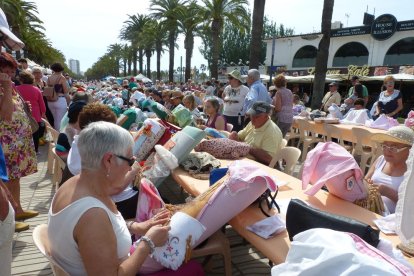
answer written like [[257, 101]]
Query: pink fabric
[[371, 251], [409, 122], [33, 95], [330, 164], [244, 173], [246, 183], [384, 122], [148, 199]]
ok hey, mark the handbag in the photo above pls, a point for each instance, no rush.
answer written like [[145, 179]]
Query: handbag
[[33, 123], [301, 217], [50, 93]]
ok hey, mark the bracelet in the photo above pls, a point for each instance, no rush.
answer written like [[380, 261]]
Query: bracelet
[[148, 241]]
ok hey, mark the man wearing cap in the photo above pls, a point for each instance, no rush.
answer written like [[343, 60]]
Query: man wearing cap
[[261, 133], [257, 92], [176, 98], [331, 97], [355, 81], [234, 95]]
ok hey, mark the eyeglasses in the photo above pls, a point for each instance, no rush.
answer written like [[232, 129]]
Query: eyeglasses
[[392, 149], [130, 161]]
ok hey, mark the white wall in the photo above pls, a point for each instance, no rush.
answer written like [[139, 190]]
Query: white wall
[[287, 47]]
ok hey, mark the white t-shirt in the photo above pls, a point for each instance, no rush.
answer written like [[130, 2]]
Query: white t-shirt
[[234, 100], [119, 102], [210, 91]]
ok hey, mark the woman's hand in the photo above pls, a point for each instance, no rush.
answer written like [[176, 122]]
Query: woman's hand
[[140, 228], [158, 234]]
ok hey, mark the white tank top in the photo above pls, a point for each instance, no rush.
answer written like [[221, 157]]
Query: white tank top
[[392, 181], [64, 248]]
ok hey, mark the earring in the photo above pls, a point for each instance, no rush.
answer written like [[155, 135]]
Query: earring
[[109, 171]]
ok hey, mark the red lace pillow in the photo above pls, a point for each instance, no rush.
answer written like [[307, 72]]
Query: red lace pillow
[[224, 148]]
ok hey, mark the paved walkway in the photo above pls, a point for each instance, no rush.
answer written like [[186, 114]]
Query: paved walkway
[[37, 192]]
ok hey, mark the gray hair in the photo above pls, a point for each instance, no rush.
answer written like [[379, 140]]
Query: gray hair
[[254, 74], [99, 138]]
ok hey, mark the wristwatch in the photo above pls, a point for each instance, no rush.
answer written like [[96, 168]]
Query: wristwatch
[[148, 241]]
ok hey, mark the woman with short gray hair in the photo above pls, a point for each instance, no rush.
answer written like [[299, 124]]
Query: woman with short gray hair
[[83, 216]]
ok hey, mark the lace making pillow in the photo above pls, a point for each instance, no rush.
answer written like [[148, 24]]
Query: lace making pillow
[[224, 148]]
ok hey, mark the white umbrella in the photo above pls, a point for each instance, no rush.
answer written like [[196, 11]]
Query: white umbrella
[[141, 77], [307, 79]]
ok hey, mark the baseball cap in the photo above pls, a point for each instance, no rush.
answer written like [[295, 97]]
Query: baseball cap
[[259, 108]]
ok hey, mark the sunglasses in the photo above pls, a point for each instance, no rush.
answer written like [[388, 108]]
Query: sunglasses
[[390, 83], [392, 149], [130, 161], [230, 78]]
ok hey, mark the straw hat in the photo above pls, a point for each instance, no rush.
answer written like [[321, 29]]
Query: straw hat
[[235, 74], [398, 134]]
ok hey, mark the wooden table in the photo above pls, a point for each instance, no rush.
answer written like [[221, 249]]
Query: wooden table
[[346, 131], [276, 248]]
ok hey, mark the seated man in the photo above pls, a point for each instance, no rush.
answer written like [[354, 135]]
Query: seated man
[[262, 134]]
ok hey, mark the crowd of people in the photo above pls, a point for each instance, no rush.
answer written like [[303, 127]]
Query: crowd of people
[[94, 119]]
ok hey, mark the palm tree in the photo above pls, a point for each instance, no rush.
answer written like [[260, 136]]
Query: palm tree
[[155, 34], [167, 10], [131, 32], [217, 12], [321, 62], [115, 52], [189, 22], [257, 30]]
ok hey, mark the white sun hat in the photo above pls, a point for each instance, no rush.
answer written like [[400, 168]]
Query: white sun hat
[[9, 39]]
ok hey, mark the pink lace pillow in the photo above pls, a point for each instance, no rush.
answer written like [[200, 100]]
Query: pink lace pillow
[[224, 148]]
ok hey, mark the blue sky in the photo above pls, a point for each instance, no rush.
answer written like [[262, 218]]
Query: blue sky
[[83, 29]]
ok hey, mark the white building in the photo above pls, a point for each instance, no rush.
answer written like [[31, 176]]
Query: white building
[[377, 48], [74, 66]]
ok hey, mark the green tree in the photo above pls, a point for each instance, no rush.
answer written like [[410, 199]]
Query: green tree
[[167, 11], [321, 62], [115, 52], [189, 20], [216, 12], [236, 44], [257, 32], [155, 34], [131, 31]]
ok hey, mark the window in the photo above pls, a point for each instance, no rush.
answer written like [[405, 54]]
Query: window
[[401, 53], [305, 57], [352, 53]]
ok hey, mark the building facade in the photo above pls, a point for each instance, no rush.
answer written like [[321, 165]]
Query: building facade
[[74, 66], [380, 47]]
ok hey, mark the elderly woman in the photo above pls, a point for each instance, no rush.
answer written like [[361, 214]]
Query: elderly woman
[[32, 94], [283, 105], [83, 215], [390, 100], [59, 107], [15, 135], [215, 120], [233, 96], [190, 103], [388, 170]]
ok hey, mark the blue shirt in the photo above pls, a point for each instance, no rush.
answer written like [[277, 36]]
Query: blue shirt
[[258, 92]]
